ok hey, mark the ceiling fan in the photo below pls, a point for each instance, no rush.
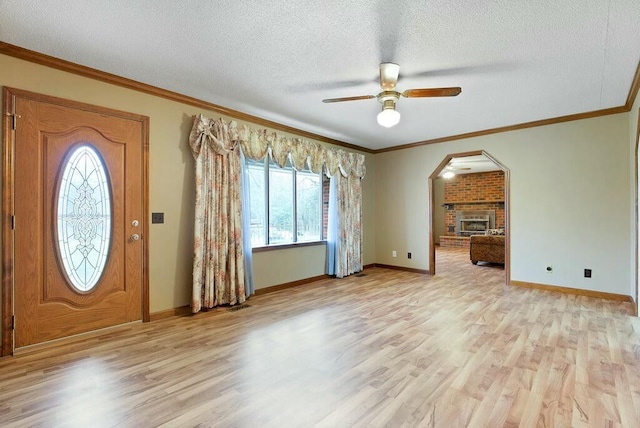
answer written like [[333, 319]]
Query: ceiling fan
[[450, 170], [452, 167], [389, 116]]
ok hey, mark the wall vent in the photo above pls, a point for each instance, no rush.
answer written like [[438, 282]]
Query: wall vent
[[238, 307]]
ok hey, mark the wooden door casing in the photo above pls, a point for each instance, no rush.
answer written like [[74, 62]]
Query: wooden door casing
[[53, 127]]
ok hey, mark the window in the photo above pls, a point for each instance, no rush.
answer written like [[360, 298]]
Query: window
[[286, 205], [84, 218]]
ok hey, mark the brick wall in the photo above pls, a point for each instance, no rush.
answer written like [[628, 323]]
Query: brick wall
[[469, 191], [455, 241]]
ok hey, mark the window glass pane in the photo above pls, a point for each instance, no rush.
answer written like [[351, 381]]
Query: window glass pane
[[84, 218], [280, 204], [257, 204], [308, 210], [276, 213]]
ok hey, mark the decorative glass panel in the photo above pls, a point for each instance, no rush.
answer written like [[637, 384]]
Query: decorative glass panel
[[84, 218]]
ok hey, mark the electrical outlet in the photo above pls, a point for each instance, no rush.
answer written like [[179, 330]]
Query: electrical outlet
[[549, 269], [408, 255], [587, 273], [394, 254]]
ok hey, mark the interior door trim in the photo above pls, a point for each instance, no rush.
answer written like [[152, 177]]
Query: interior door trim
[[8, 176]]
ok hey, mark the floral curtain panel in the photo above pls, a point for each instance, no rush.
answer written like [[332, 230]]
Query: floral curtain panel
[[256, 143], [344, 237], [219, 257]]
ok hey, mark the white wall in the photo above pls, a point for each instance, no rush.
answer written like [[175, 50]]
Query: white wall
[[569, 201], [634, 117], [282, 266]]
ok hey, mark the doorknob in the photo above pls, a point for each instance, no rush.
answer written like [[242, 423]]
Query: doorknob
[[135, 237]]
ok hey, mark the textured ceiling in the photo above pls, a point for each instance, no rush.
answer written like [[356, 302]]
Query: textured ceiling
[[516, 61]]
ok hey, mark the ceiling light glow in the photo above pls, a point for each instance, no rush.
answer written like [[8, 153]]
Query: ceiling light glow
[[388, 117]]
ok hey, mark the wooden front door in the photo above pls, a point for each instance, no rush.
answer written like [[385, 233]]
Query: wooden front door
[[79, 211]]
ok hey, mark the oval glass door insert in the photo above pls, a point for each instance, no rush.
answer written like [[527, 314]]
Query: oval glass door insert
[[84, 218]]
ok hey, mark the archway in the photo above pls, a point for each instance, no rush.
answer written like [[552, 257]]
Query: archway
[[435, 174]]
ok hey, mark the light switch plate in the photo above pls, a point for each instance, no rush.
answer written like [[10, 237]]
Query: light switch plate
[[157, 217]]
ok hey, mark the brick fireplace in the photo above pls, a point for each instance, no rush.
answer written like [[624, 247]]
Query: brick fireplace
[[474, 222], [480, 192]]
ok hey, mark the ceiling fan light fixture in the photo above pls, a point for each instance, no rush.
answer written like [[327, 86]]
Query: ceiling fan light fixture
[[388, 117], [389, 73]]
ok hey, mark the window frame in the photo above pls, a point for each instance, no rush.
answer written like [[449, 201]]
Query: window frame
[[267, 163]]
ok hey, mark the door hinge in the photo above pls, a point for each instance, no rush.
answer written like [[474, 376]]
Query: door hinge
[[13, 322], [13, 222]]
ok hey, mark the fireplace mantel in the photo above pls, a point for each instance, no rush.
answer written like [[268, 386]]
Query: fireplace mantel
[[451, 205]]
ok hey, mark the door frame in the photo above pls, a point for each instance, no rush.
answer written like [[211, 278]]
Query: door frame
[[8, 197], [507, 227]]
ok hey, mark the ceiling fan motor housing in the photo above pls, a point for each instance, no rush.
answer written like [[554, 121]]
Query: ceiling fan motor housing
[[385, 96]]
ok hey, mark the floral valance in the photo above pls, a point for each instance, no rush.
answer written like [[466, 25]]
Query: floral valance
[[224, 137]]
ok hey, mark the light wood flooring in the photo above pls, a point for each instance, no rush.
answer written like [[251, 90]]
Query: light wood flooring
[[390, 348]]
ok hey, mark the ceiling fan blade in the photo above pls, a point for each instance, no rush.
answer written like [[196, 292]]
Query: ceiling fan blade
[[389, 75], [432, 92], [339, 100], [452, 167]]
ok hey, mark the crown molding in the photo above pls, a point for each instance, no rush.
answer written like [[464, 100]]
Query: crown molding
[[103, 76], [508, 128], [92, 73], [631, 97], [633, 92]]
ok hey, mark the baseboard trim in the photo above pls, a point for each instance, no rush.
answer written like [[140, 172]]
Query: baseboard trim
[[406, 269], [274, 288], [576, 291], [369, 266], [169, 313], [186, 310]]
